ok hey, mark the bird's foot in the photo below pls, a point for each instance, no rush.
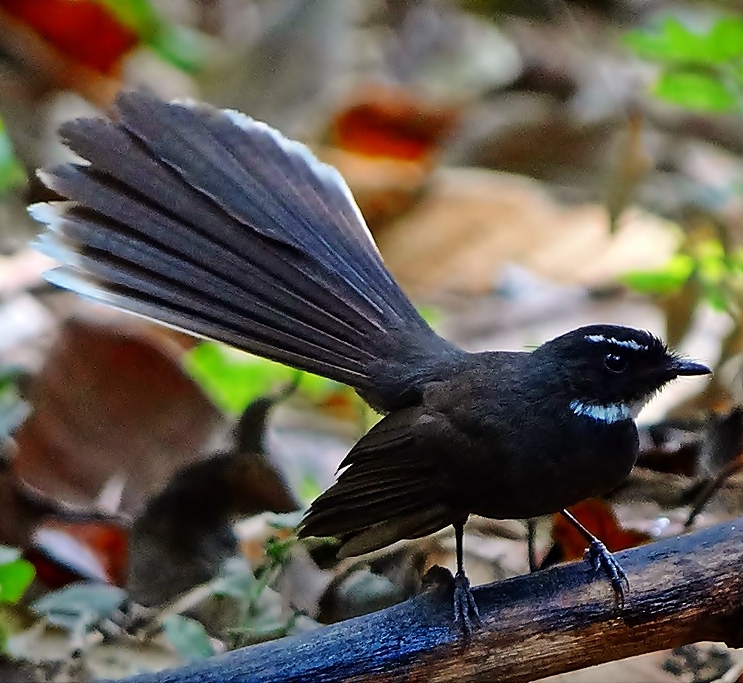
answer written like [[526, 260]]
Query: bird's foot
[[465, 607], [602, 560]]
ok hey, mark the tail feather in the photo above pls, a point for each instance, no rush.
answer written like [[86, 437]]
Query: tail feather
[[234, 168], [211, 222], [162, 207], [184, 260], [118, 204], [238, 165], [202, 312]]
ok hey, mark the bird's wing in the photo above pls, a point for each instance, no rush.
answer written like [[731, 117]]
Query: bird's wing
[[392, 485]]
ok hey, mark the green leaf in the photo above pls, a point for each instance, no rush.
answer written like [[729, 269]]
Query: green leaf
[[12, 175], [672, 42], [716, 298], [12, 409], [80, 604], [725, 40], [309, 489], [16, 575], [663, 281], [696, 90], [231, 379], [277, 550], [188, 637], [234, 379], [178, 45], [9, 376], [138, 15], [430, 314]]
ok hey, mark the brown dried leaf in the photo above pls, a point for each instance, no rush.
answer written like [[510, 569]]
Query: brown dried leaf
[[471, 223], [110, 401]]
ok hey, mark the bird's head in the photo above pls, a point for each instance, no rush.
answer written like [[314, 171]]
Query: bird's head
[[612, 371]]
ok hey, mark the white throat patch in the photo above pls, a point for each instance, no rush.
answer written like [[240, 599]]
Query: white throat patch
[[608, 414]]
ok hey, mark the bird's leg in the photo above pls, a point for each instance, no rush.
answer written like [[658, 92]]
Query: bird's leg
[[601, 559], [465, 607]]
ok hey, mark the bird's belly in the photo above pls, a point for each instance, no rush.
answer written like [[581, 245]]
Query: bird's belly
[[551, 474]]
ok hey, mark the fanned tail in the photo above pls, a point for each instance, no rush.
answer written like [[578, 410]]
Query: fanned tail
[[214, 223]]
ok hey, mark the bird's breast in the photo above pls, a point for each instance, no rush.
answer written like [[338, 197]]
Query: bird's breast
[[527, 465]]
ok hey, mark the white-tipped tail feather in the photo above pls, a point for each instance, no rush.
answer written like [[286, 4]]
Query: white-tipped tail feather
[[213, 223]]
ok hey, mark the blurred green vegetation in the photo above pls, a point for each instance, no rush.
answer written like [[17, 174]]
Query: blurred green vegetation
[[16, 575], [233, 379], [700, 70], [12, 409], [12, 174], [175, 43], [717, 272]]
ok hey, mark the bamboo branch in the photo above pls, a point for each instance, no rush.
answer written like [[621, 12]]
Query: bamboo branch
[[682, 590]]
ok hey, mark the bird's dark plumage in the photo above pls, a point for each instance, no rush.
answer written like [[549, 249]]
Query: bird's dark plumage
[[214, 223]]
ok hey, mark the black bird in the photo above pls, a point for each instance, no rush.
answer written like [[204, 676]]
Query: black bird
[[216, 224]]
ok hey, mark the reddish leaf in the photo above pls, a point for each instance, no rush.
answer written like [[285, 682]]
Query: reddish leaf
[[64, 551], [391, 122], [81, 30], [598, 517]]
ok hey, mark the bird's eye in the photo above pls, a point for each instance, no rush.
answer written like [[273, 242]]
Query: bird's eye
[[615, 362]]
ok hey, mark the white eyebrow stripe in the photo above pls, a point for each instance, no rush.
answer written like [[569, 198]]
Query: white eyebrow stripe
[[608, 414], [625, 343]]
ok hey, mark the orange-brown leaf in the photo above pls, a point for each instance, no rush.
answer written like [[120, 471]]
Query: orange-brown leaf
[[69, 550], [598, 517], [391, 122]]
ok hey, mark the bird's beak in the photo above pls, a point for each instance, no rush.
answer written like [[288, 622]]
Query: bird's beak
[[681, 366]]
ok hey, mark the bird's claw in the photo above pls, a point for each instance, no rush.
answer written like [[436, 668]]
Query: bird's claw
[[465, 607], [602, 560]]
